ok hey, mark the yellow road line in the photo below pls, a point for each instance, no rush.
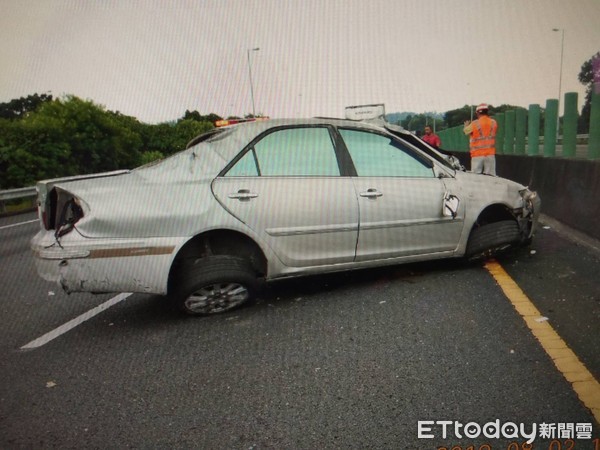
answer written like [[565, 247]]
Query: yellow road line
[[567, 362]]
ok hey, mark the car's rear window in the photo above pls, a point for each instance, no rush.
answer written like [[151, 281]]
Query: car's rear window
[[211, 136]]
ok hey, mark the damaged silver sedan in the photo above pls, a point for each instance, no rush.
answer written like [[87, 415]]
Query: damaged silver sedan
[[270, 199]]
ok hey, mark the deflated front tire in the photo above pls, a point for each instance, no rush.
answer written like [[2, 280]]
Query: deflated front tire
[[488, 240]]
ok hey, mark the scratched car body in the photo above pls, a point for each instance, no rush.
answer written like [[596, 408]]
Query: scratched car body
[[270, 199]]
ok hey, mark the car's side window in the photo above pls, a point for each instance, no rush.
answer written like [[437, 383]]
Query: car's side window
[[376, 155], [290, 152]]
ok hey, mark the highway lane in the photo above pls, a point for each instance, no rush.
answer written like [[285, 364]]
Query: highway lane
[[31, 304], [563, 279], [348, 360]]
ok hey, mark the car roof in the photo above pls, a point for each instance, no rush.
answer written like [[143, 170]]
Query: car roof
[[274, 123], [250, 129], [232, 139]]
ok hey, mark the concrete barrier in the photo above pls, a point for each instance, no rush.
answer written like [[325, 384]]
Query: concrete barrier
[[569, 188]]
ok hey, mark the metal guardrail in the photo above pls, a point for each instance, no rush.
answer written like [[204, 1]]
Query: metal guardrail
[[30, 192], [14, 194], [582, 137]]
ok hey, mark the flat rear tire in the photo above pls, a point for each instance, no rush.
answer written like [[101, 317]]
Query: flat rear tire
[[214, 285]]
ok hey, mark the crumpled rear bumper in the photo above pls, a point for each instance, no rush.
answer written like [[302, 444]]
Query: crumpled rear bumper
[[104, 265]]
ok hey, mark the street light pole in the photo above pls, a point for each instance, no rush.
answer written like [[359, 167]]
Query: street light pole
[[470, 99], [250, 75], [562, 48]]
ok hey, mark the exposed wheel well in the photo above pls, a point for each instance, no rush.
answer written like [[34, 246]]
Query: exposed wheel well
[[496, 228], [494, 213], [219, 242]]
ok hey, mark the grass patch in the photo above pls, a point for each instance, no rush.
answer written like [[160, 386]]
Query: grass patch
[[17, 205]]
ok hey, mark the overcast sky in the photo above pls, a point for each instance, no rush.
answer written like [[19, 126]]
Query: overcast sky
[[154, 60]]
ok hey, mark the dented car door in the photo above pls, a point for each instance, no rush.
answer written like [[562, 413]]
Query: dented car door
[[287, 188], [401, 200]]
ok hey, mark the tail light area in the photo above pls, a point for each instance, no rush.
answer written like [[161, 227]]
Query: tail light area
[[48, 209], [62, 211]]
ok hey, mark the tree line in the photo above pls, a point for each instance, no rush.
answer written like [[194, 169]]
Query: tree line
[[44, 137]]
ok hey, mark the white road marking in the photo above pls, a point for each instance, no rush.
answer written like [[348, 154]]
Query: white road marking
[[20, 223], [73, 323]]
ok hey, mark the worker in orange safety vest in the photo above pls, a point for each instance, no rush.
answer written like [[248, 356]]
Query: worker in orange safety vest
[[483, 141]]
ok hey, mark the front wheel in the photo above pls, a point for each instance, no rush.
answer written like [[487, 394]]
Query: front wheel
[[490, 239], [215, 284]]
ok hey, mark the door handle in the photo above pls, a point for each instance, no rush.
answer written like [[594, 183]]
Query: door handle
[[243, 195], [371, 193]]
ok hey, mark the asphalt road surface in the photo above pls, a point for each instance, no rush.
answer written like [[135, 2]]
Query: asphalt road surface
[[366, 359]]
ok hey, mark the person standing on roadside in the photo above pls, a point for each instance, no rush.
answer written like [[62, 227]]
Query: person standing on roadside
[[482, 142], [431, 138]]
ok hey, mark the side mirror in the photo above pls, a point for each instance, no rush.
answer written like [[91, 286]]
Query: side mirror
[[455, 163]]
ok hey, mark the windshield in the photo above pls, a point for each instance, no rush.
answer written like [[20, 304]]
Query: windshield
[[440, 156], [210, 136]]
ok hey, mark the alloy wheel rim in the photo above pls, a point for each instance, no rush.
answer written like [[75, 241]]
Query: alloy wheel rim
[[217, 297]]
